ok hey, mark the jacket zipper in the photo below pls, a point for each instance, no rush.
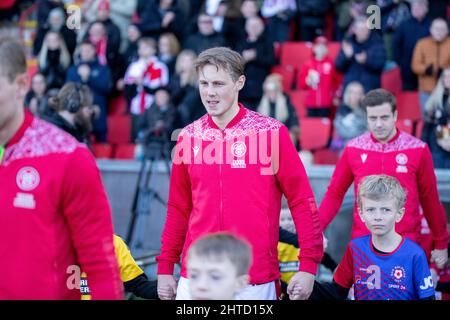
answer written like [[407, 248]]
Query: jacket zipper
[[221, 183]]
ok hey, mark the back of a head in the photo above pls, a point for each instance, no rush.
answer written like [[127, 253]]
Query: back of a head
[[381, 187], [223, 58], [71, 97], [218, 246], [12, 58], [377, 97]]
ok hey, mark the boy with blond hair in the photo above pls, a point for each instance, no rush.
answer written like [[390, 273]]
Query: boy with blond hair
[[383, 265]]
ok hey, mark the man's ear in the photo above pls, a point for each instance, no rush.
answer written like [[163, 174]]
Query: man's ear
[[22, 83], [241, 82], [400, 214]]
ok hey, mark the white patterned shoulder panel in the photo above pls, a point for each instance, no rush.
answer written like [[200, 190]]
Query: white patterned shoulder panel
[[403, 142], [251, 123], [41, 139]]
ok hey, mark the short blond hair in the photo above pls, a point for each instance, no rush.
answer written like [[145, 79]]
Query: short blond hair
[[224, 58], [379, 187], [224, 245]]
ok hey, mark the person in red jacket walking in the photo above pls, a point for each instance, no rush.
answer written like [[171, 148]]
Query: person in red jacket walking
[[54, 213], [319, 77], [230, 169], [387, 150]]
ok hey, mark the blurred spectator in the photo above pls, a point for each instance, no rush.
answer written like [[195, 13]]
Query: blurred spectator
[[393, 13], [131, 51], [362, 57], [142, 78], [346, 12], [276, 104], [107, 48], [184, 88], [234, 28], [36, 99], [57, 23], [351, 119], [312, 18], [119, 11], [217, 9], [431, 55], [157, 122], [436, 130], [279, 14], [407, 34], [98, 78], [319, 77], [43, 10], [155, 17], [206, 37], [72, 110], [258, 53], [168, 49], [53, 60]]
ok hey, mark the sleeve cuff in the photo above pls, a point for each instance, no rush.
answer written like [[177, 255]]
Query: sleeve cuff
[[165, 267], [440, 244], [308, 265]]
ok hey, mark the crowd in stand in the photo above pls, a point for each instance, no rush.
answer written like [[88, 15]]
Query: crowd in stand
[[135, 49]]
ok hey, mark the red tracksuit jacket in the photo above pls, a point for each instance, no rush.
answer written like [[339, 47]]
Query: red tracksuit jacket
[[223, 181], [54, 215], [404, 157]]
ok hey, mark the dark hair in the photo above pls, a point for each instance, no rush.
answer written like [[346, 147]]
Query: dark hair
[[12, 57], [224, 58], [377, 97], [72, 97], [87, 42], [224, 245]]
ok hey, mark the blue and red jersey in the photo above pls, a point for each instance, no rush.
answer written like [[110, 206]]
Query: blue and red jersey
[[402, 274]]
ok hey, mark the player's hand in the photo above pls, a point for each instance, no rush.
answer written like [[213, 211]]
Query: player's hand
[[301, 286], [167, 287], [439, 257]]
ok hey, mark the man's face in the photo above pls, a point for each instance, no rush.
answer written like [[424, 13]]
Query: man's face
[[97, 32], [381, 121], [145, 50], [218, 91], [249, 9], [213, 278], [320, 51], [362, 33], [419, 10], [439, 30], [205, 25], [11, 96], [355, 94], [87, 52], [38, 84], [380, 216], [286, 221]]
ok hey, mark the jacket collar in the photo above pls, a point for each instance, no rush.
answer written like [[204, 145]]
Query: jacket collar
[[395, 137], [28, 118], [240, 115]]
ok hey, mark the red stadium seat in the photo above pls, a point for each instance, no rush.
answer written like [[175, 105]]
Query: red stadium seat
[[288, 74], [118, 105], [119, 129], [7, 4], [315, 133], [125, 151], [392, 80], [294, 54], [405, 125], [102, 150], [408, 106], [326, 156], [419, 127], [298, 101]]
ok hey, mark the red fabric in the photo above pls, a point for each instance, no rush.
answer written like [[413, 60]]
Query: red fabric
[[323, 95], [365, 156], [55, 215], [343, 275], [206, 196]]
